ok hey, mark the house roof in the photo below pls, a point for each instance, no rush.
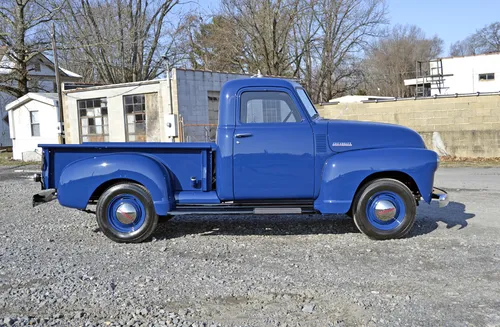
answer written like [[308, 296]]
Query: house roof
[[47, 98], [7, 64]]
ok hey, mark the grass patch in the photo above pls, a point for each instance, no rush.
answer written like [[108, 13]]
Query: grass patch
[[450, 161], [6, 160]]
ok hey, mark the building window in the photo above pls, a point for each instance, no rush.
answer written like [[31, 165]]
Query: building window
[[135, 111], [268, 107], [487, 77], [93, 120], [35, 123], [36, 66]]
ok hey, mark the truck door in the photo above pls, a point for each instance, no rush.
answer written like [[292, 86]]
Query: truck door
[[273, 147]]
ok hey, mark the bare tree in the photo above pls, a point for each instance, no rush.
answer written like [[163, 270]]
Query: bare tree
[[391, 59], [265, 27], [345, 27], [117, 41], [318, 42], [23, 25], [484, 40]]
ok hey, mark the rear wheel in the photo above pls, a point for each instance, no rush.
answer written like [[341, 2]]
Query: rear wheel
[[125, 213], [385, 209]]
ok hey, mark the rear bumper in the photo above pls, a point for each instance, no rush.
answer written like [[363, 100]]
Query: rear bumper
[[441, 196], [44, 196]]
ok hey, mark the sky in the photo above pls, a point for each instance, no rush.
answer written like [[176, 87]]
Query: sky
[[451, 20]]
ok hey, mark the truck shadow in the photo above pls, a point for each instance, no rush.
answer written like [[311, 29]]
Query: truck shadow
[[255, 225], [428, 217]]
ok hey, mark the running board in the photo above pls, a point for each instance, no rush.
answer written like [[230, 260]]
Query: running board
[[234, 210], [276, 211]]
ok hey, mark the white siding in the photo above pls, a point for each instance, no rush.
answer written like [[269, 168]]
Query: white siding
[[466, 72], [25, 146]]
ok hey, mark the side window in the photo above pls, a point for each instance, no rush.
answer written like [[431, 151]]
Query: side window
[[268, 107]]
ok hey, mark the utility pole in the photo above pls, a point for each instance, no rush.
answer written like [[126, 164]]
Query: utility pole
[[60, 114]]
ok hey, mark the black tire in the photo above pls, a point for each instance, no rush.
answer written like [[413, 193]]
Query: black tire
[[384, 192], [141, 221]]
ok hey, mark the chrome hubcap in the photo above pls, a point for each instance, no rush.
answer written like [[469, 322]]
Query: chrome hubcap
[[126, 213], [385, 210]]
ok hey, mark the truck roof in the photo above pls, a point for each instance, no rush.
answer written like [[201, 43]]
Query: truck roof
[[234, 85]]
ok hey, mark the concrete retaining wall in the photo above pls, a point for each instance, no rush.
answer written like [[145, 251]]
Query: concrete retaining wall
[[462, 126]]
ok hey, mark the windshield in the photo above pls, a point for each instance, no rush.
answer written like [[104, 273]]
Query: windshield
[[307, 103]]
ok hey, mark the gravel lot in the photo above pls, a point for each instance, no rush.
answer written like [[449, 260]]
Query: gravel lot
[[57, 268]]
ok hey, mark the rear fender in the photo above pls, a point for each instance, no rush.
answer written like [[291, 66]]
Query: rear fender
[[343, 173], [80, 179]]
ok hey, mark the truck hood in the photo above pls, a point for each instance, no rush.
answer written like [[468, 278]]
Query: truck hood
[[345, 135]]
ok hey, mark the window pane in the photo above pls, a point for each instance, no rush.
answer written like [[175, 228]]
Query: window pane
[[140, 128], [106, 139], [128, 99], [105, 120], [85, 121], [97, 112], [98, 129], [139, 118], [83, 112], [91, 121], [98, 121], [85, 130], [130, 109], [106, 129], [35, 130], [268, 107], [90, 112], [91, 129], [131, 138], [81, 105], [90, 103], [138, 98], [34, 116], [311, 110], [85, 139], [131, 128], [104, 111]]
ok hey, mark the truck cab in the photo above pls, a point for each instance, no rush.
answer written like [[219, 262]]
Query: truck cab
[[274, 154]]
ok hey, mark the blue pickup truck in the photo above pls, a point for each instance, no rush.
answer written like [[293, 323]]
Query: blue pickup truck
[[274, 155]]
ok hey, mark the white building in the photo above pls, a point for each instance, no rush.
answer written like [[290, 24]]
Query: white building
[[468, 74], [147, 111], [33, 121], [42, 75]]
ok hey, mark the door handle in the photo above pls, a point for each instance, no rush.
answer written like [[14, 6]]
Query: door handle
[[240, 135]]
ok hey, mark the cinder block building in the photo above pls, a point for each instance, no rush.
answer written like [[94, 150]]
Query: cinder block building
[[184, 108]]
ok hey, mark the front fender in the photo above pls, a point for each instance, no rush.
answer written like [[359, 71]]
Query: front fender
[[81, 178], [344, 172]]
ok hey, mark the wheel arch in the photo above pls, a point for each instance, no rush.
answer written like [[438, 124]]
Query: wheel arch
[[86, 179], [344, 174], [399, 176]]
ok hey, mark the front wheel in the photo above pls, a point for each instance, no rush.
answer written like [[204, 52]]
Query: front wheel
[[385, 209], [125, 213]]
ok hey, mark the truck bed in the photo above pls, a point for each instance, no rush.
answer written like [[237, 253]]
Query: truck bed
[[184, 160]]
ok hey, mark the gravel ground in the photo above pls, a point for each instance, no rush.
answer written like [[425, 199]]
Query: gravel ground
[[57, 268]]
